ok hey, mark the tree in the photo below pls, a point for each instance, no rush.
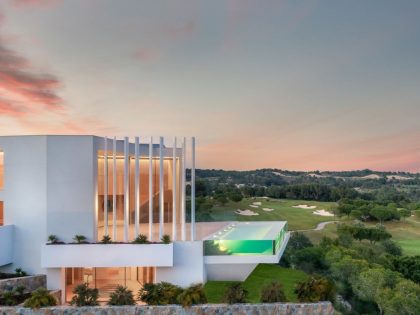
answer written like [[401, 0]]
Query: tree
[[298, 241], [408, 266], [273, 292], [403, 299], [404, 213], [315, 289]]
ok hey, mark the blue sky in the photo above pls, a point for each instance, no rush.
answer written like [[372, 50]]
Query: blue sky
[[288, 84]]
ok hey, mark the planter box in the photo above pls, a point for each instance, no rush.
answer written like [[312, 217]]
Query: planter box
[[107, 255], [31, 283]]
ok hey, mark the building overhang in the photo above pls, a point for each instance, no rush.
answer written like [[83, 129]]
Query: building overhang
[[107, 255]]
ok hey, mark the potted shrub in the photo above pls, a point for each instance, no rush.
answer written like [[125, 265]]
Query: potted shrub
[[106, 239], [166, 239], [80, 239], [141, 239]]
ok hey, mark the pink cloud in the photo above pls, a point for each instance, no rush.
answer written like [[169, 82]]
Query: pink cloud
[[34, 3]]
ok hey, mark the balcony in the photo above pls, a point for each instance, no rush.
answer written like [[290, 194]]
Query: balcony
[[107, 255], [6, 245]]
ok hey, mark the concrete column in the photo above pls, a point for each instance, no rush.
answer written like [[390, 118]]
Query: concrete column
[[161, 190], [126, 187], [151, 189], [174, 192], [183, 201], [137, 187], [105, 186], [192, 188], [114, 189]]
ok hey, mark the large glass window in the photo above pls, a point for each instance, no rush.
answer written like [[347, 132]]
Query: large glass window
[[106, 280], [143, 193]]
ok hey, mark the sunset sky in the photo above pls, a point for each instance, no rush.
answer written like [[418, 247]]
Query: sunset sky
[[302, 85]]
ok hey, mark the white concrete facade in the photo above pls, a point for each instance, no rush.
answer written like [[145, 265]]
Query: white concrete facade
[[56, 185]]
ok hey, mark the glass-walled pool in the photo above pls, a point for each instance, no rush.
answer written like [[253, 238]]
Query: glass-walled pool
[[246, 238]]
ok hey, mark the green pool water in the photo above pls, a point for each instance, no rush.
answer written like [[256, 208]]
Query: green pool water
[[245, 240]]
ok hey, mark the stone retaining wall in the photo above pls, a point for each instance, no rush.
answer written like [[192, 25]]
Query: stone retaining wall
[[30, 283], [321, 308]]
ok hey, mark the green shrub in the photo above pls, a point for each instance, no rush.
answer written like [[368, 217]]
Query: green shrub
[[192, 295], [162, 293], [79, 239], [84, 296], [315, 289], [40, 298], [20, 273], [235, 294], [141, 239], [273, 292], [106, 239], [52, 239], [121, 296], [166, 239]]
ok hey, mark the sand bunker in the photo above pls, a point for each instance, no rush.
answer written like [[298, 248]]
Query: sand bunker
[[257, 203], [268, 209], [304, 207], [253, 206], [245, 212], [323, 213]]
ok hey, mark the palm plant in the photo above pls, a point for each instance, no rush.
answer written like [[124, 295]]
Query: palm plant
[[106, 239], [235, 294], [141, 239], [84, 296], [166, 239], [40, 298], [273, 292], [79, 238], [121, 296], [53, 239], [193, 295]]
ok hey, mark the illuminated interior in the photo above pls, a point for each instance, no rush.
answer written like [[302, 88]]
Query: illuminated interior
[[106, 280], [143, 193], [1, 213]]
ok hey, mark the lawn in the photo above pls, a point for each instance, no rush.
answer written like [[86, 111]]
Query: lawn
[[299, 219], [405, 232], [261, 276]]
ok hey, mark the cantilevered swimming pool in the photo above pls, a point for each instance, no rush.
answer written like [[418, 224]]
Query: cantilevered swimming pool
[[246, 238]]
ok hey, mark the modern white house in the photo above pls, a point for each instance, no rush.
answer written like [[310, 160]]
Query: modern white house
[[95, 186]]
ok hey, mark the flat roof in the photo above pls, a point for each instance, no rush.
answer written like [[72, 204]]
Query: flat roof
[[253, 230]]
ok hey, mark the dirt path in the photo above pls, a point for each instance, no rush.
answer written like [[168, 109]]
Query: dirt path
[[319, 227]]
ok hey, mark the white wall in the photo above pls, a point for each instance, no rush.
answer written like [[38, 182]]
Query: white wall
[[71, 195], [107, 255], [6, 244], [25, 200], [229, 272], [188, 265]]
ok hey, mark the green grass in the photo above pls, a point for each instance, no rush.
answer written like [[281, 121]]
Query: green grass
[[405, 232], [261, 276], [299, 219]]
